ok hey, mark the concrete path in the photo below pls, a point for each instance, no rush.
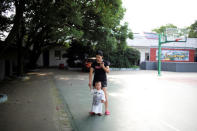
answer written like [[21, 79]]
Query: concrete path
[[139, 101], [33, 104]]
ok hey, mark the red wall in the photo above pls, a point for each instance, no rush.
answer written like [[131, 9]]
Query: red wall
[[154, 50]]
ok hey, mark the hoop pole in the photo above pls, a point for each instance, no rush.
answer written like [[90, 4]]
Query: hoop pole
[[160, 42], [159, 56]]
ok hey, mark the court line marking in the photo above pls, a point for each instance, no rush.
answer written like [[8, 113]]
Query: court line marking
[[169, 125]]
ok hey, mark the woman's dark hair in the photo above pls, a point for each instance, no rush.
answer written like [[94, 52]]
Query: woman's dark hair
[[99, 52]]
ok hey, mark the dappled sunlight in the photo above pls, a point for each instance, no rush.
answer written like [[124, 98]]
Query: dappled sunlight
[[62, 77], [26, 78], [40, 73], [79, 78], [31, 75]]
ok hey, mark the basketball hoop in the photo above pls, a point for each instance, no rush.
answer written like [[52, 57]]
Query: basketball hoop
[[179, 39], [170, 35], [176, 35]]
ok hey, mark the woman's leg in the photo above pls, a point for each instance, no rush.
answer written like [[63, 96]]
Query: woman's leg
[[106, 102]]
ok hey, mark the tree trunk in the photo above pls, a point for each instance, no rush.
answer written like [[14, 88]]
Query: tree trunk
[[12, 36], [19, 56], [19, 37]]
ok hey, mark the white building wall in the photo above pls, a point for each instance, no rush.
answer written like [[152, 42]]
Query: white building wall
[[143, 51], [54, 61], [40, 61], [141, 43]]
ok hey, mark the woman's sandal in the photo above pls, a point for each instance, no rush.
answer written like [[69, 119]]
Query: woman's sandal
[[107, 112]]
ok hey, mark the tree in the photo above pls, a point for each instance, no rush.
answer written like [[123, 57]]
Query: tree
[[123, 56], [51, 23], [122, 33], [5, 7], [163, 28], [36, 25], [193, 30], [16, 32], [39, 24], [102, 30], [100, 18]]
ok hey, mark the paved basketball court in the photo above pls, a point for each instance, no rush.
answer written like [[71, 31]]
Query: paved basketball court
[[138, 101]]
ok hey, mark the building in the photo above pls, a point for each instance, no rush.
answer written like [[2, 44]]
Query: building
[[147, 44], [53, 57], [8, 61], [49, 58], [175, 56]]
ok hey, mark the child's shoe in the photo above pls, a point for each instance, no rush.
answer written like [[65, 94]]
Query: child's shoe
[[99, 114], [91, 113]]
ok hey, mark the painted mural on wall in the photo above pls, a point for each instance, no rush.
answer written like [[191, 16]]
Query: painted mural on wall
[[174, 55]]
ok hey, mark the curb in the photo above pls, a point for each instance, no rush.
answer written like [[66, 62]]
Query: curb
[[124, 69], [66, 108], [3, 98], [111, 69], [74, 69]]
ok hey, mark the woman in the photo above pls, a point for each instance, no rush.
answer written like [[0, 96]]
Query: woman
[[100, 68]]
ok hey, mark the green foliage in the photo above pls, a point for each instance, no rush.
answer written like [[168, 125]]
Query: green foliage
[[112, 40], [193, 30], [83, 26], [5, 20], [122, 33], [111, 12], [124, 59], [163, 28], [77, 52]]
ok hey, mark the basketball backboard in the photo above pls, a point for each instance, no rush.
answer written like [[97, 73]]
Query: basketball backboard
[[176, 35]]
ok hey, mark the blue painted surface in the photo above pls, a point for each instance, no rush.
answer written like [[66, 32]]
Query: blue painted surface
[[3, 98]]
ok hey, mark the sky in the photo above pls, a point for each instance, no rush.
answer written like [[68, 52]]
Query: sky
[[145, 15]]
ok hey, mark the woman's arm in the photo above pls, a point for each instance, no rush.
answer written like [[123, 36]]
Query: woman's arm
[[90, 77], [105, 68]]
